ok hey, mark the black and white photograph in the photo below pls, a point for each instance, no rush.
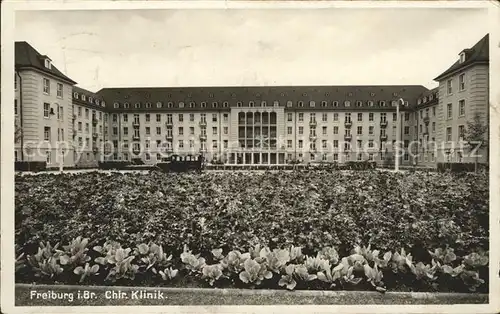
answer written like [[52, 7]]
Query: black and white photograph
[[231, 156]]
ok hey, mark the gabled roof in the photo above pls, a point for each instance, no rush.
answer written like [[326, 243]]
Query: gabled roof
[[245, 94], [27, 57], [480, 52]]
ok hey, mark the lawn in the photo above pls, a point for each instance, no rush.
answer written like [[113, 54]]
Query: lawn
[[297, 230]]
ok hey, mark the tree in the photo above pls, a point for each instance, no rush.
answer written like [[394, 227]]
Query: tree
[[476, 136]]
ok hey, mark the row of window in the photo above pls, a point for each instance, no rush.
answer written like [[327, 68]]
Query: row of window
[[48, 111], [90, 99], [47, 85], [263, 103], [461, 84], [461, 109], [169, 117]]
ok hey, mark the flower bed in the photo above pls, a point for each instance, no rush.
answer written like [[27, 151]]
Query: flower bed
[[257, 218]]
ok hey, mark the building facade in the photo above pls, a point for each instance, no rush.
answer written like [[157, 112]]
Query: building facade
[[252, 125]]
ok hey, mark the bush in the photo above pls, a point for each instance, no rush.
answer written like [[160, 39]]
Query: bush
[[237, 210], [34, 166]]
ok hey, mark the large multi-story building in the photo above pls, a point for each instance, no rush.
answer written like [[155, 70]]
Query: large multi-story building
[[248, 125]]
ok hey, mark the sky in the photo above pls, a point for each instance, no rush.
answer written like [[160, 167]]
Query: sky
[[164, 48]]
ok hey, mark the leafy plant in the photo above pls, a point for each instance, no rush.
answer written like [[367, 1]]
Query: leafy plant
[[193, 263], [86, 271], [444, 256], [476, 260], [168, 273], [45, 262], [76, 252], [212, 273], [254, 272], [153, 256], [374, 277]]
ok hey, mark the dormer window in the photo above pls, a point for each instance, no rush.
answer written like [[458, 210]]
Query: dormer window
[[359, 103], [116, 105], [90, 99], [158, 104], [47, 63], [126, 105], [103, 103], [181, 105], [462, 57], [214, 104], [239, 104], [137, 105], [370, 103], [148, 105], [83, 97], [312, 103], [419, 101], [289, 103], [203, 104], [75, 95], [97, 101]]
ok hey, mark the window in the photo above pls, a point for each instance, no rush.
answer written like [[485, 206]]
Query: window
[[360, 116], [191, 130], [226, 130], [115, 130], [335, 130], [360, 130], [181, 117], [301, 104], [79, 111], [214, 117], [370, 103], [461, 108], [158, 117], [301, 117], [46, 110], [448, 134], [433, 126], [407, 130], [148, 117], [324, 130], [158, 130], [289, 143], [181, 130], [449, 86], [125, 131], [335, 103], [116, 105], [289, 116], [335, 116], [301, 144], [449, 111], [301, 130], [359, 103], [137, 105], [87, 114], [289, 130], [46, 133], [79, 126], [461, 132], [125, 118], [59, 90], [15, 106], [461, 81], [370, 130], [191, 117], [214, 130], [335, 143], [148, 157], [312, 103], [46, 86], [225, 117], [370, 116], [370, 143], [191, 143], [347, 103], [462, 57], [382, 103]]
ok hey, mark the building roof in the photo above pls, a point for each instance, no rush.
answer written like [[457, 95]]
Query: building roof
[[480, 52], [28, 57], [91, 99], [161, 98], [428, 98]]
